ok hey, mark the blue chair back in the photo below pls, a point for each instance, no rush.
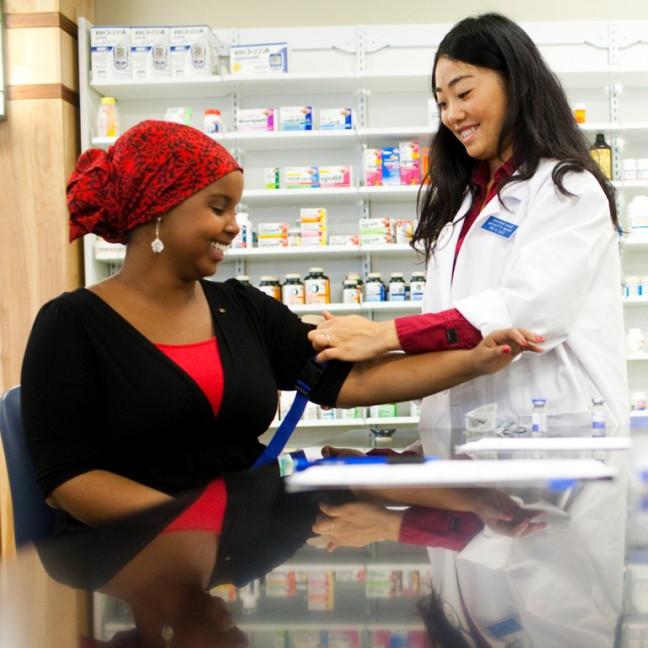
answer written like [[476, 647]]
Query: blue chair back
[[33, 518]]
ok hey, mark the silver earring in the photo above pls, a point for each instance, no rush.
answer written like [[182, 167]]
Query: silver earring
[[156, 244], [167, 635]]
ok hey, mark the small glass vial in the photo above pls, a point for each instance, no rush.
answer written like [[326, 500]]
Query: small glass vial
[[244, 279], [292, 292], [397, 287], [212, 121], [270, 286], [598, 417], [538, 417], [375, 288], [417, 286], [108, 118], [317, 287]]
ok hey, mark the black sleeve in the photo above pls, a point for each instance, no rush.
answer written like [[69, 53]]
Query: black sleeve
[[289, 348], [59, 397]]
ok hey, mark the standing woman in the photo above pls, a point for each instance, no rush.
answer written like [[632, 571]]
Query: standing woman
[[518, 225]]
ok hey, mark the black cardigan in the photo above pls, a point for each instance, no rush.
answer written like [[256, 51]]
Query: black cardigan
[[96, 394]]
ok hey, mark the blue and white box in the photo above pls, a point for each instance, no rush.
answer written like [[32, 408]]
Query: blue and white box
[[391, 166], [336, 119], [110, 56], [151, 52], [194, 51], [259, 58], [296, 118]]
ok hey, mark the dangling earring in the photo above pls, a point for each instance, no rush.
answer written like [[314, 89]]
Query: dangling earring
[[167, 635], [156, 244]]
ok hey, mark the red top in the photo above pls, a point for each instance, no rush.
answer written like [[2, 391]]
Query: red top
[[201, 361], [449, 329]]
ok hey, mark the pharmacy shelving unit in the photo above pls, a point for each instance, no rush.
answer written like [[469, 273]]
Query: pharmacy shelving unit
[[383, 73]]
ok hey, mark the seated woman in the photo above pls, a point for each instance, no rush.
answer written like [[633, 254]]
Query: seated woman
[[155, 381]]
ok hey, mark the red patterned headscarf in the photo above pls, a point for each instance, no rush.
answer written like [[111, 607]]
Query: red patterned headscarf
[[151, 168]]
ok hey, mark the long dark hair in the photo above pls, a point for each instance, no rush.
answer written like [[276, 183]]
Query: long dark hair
[[538, 123]]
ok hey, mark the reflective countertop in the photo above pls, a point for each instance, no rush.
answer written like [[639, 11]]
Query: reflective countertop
[[579, 580]]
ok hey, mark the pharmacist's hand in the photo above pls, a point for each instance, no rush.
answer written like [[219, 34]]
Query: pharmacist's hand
[[353, 338], [503, 515], [355, 525], [499, 348]]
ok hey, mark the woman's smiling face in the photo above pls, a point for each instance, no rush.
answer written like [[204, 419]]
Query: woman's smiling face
[[473, 102]]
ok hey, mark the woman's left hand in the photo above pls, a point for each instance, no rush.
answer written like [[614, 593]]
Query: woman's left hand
[[499, 348], [503, 515], [356, 525]]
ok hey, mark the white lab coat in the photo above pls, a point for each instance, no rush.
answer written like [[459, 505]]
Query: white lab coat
[[558, 275], [563, 585]]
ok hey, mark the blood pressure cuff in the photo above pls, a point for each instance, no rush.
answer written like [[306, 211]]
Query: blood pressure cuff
[[264, 525]]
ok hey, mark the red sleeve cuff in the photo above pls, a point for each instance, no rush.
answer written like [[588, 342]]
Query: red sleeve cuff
[[437, 528], [440, 331]]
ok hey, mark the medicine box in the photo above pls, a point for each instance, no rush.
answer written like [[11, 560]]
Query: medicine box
[[335, 119], [375, 231], [410, 163], [271, 178], [335, 176], [110, 56], [259, 58], [150, 52], [373, 167], [255, 119], [194, 51], [301, 177], [391, 165], [296, 118]]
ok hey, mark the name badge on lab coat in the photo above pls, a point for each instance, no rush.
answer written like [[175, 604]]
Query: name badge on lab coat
[[500, 227]]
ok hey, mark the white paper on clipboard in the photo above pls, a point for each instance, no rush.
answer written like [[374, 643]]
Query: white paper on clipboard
[[526, 444], [440, 473]]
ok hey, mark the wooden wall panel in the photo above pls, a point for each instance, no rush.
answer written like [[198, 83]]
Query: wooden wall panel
[[39, 143], [36, 612], [33, 56]]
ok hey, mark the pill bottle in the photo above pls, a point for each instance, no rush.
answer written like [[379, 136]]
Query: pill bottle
[[417, 286], [212, 121], [351, 292], [317, 287], [375, 289], [244, 279], [601, 152], [598, 417], [397, 287], [538, 417], [270, 286], [580, 113], [292, 292], [108, 118]]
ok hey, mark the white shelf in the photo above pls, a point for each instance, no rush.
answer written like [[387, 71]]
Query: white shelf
[[351, 423], [300, 196], [637, 239], [396, 193], [631, 184], [366, 307], [638, 357], [290, 82], [286, 140], [636, 301], [116, 254], [167, 88], [397, 131], [639, 414]]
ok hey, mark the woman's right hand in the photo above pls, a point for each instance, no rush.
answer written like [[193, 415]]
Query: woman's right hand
[[353, 338]]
